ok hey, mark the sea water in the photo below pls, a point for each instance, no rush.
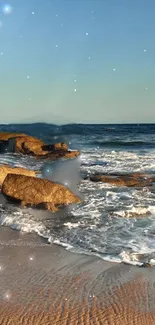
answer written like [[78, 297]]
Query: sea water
[[114, 223]]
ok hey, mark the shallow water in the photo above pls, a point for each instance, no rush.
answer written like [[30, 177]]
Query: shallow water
[[101, 225]]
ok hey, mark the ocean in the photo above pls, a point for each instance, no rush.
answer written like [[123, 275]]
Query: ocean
[[102, 224]]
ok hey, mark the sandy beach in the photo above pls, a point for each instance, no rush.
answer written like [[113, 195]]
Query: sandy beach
[[45, 284]]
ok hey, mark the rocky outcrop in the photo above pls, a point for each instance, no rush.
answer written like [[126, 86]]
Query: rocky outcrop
[[26, 144], [130, 180], [37, 192], [7, 169]]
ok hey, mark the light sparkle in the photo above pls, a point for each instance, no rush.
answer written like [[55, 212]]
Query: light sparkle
[[7, 9], [1, 268], [7, 295]]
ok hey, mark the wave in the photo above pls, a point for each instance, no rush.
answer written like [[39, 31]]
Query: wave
[[116, 144], [78, 128]]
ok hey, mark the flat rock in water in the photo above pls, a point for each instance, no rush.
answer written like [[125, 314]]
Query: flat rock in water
[[130, 180], [37, 192]]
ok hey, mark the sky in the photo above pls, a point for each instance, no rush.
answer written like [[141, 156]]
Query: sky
[[82, 61]]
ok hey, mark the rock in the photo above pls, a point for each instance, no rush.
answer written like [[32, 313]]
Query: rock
[[26, 144], [131, 180], [7, 169], [33, 148], [37, 192], [8, 135], [29, 145], [60, 146]]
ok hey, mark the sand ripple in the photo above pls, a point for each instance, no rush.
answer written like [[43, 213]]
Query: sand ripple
[[49, 286]]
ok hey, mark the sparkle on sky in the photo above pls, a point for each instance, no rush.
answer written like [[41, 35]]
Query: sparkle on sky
[[7, 9], [77, 61]]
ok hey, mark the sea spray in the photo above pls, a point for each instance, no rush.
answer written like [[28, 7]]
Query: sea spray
[[66, 172]]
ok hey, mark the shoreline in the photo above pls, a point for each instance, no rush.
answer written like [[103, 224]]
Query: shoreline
[[44, 284]]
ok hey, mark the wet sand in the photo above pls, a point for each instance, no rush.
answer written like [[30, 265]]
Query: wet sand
[[46, 285]]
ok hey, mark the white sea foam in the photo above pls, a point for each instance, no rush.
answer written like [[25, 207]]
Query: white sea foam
[[135, 211], [71, 225], [18, 220], [60, 243]]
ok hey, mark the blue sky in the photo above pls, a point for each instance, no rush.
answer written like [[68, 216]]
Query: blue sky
[[77, 61]]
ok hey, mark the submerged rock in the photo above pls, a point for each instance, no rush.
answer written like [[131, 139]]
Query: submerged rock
[[7, 169], [37, 192], [25, 144]]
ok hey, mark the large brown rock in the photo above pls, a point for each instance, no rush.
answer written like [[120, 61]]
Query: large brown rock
[[31, 191], [7, 169], [26, 144], [130, 180]]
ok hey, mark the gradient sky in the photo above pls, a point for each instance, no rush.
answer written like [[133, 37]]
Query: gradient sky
[[77, 61]]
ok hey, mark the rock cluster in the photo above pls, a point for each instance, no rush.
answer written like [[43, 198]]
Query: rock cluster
[[26, 144], [22, 185]]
